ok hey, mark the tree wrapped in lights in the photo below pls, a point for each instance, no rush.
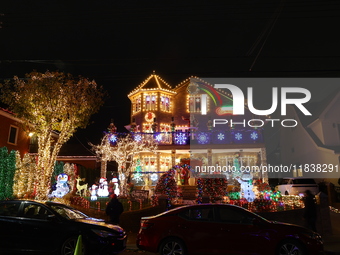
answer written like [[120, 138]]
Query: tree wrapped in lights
[[53, 105], [123, 150], [24, 178]]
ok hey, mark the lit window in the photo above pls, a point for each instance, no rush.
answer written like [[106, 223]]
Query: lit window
[[195, 103], [150, 103], [165, 103], [137, 104]]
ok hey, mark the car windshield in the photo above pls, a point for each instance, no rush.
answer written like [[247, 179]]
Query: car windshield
[[68, 213]]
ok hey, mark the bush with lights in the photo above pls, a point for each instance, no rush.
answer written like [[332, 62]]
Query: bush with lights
[[215, 188], [7, 171]]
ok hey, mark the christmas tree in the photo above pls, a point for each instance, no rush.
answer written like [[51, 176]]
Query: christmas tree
[[167, 185]]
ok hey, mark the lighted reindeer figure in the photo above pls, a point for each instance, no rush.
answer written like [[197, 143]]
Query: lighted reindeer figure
[[81, 189]]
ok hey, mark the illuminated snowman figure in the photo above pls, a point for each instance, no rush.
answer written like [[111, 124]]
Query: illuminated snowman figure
[[116, 186], [61, 187], [103, 190], [93, 191], [247, 186]]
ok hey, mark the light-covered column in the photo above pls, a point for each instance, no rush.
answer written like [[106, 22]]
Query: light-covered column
[[103, 167], [263, 153]]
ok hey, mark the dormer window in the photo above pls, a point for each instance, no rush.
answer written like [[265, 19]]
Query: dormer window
[[150, 103], [165, 103]]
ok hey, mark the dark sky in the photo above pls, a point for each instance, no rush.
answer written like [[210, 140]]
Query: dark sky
[[120, 43]]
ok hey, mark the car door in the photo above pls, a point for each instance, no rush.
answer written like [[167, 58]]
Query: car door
[[40, 232], [241, 232], [198, 230], [10, 228]]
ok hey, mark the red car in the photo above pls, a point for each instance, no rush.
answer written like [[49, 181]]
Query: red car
[[223, 229]]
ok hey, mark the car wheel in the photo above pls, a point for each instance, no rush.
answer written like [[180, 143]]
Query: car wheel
[[69, 246], [172, 246], [290, 247], [286, 193]]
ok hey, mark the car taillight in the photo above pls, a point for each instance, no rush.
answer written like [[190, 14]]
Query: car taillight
[[144, 224]]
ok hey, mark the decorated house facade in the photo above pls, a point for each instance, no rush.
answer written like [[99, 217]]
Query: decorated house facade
[[194, 126]]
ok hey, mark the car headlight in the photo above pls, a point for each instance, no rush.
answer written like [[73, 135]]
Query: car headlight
[[103, 233], [313, 235]]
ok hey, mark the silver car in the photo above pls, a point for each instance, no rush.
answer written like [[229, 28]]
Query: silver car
[[297, 186]]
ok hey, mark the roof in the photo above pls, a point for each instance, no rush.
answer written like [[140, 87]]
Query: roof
[[153, 82], [316, 108]]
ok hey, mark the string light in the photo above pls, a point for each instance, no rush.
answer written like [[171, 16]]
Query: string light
[[123, 152]]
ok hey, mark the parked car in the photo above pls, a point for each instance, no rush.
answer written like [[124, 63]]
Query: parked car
[[32, 227], [223, 229], [297, 186]]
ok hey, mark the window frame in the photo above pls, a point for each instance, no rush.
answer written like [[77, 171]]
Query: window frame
[[9, 140]]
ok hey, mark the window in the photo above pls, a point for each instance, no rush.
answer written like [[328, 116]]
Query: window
[[195, 103], [9, 209], [201, 214], [13, 135], [229, 215], [137, 104], [35, 211], [150, 103], [165, 103]]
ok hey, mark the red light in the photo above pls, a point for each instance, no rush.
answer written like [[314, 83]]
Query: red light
[[145, 224]]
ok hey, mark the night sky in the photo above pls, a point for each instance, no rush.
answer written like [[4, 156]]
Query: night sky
[[120, 43]]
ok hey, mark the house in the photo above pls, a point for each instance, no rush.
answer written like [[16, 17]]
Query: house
[[181, 119], [313, 146], [12, 134]]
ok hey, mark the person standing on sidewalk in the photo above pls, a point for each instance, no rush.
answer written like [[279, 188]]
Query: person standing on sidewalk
[[114, 209], [310, 213]]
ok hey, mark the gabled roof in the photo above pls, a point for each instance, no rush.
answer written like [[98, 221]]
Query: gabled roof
[[316, 108], [153, 82]]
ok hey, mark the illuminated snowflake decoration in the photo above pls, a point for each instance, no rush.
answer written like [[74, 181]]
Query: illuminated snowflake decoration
[[113, 138], [254, 135], [158, 138], [203, 138], [154, 177], [138, 138], [220, 136], [238, 136], [180, 138]]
